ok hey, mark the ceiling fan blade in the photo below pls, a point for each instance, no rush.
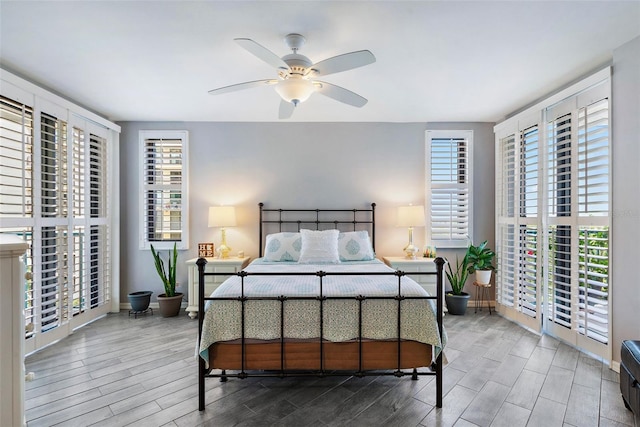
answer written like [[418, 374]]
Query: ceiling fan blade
[[340, 94], [241, 86], [286, 109], [263, 53], [344, 62]]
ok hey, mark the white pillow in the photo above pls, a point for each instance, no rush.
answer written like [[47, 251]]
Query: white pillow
[[355, 246], [282, 247], [319, 246]]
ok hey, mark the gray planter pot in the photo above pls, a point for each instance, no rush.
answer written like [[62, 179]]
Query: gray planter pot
[[139, 300], [457, 304], [169, 306]]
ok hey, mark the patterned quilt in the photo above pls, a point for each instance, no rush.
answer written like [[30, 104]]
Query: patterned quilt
[[222, 321]]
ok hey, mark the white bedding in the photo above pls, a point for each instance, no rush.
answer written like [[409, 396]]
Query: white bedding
[[222, 321]]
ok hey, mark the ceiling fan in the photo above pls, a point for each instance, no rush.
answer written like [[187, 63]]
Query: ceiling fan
[[296, 74]]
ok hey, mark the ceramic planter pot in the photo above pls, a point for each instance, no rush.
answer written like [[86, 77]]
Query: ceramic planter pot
[[483, 277], [169, 306], [139, 300], [457, 304]]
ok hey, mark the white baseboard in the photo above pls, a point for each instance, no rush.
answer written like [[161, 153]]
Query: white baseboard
[[154, 305], [615, 366], [472, 304]]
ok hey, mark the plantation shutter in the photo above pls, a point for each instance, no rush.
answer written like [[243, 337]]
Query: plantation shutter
[[16, 186], [553, 215], [78, 173], [54, 251], [448, 187], [559, 178], [505, 243], [579, 220], [593, 210], [55, 176], [16, 151], [528, 265], [99, 237], [164, 219], [517, 183]]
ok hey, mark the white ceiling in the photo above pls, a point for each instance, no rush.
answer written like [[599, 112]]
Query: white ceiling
[[436, 60]]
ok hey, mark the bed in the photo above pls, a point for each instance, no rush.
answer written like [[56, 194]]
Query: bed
[[317, 303]]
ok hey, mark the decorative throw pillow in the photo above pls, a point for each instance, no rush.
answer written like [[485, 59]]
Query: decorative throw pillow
[[355, 246], [319, 247], [283, 247]]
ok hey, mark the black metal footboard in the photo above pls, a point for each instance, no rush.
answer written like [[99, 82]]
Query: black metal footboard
[[434, 369]]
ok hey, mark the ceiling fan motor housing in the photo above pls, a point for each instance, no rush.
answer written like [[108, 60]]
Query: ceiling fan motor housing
[[297, 63]]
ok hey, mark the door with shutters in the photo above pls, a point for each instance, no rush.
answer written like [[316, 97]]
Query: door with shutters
[[54, 194], [578, 287], [553, 219]]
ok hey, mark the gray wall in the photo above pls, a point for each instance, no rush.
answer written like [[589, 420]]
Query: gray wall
[[625, 293], [295, 165]]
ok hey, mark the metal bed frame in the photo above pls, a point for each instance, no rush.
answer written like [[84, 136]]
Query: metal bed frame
[[434, 369]]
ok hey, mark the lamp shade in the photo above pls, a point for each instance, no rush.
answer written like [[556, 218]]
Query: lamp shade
[[295, 90], [411, 216], [222, 216]]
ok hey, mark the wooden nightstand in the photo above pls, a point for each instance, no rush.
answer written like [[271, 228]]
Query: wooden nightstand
[[414, 268], [229, 265]]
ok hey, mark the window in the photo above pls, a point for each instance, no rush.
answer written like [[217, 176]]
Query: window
[[553, 222], [51, 175], [448, 187], [164, 190]]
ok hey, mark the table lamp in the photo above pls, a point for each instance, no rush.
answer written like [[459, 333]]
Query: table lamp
[[411, 216], [222, 216]]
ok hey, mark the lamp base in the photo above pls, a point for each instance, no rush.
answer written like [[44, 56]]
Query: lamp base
[[223, 251], [411, 251]]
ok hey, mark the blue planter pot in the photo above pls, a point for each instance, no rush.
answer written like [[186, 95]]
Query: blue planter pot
[[140, 300]]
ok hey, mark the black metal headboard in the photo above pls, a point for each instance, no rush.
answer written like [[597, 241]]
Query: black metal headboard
[[278, 220]]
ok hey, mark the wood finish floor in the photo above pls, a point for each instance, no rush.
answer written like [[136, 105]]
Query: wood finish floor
[[122, 371]]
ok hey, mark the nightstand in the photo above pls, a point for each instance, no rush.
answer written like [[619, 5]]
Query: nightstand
[[414, 268], [229, 265]]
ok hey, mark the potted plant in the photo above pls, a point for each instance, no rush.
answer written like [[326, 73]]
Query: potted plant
[[456, 299], [169, 302], [480, 262]]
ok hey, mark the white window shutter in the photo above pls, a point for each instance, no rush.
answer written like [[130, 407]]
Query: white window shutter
[[16, 157], [50, 178], [164, 189], [448, 184]]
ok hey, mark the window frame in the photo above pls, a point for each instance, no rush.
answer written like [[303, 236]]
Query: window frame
[[183, 242], [431, 135]]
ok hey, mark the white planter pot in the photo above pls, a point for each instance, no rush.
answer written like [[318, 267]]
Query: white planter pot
[[483, 277]]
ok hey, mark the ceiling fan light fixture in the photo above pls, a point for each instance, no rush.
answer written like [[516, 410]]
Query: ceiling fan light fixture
[[295, 90]]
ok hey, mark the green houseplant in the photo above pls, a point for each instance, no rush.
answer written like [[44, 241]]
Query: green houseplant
[[480, 262], [169, 302], [457, 300]]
